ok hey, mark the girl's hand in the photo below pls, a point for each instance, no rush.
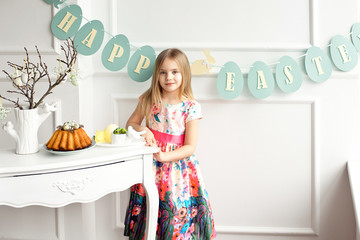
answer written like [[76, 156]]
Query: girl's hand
[[160, 156], [149, 138]]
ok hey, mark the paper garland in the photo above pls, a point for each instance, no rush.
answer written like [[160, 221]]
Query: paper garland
[[66, 22], [288, 75], [343, 53], [141, 64], [89, 38], [116, 53], [317, 65], [230, 81], [355, 33], [261, 83]]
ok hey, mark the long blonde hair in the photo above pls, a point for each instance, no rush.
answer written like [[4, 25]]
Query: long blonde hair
[[153, 94]]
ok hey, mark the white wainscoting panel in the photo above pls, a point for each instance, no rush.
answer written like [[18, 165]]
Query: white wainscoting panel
[[15, 39], [267, 165], [24, 223]]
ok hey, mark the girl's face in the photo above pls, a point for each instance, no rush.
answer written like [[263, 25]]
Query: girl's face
[[170, 77]]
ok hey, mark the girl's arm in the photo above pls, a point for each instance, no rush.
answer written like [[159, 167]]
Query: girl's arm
[[135, 121], [188, 149]]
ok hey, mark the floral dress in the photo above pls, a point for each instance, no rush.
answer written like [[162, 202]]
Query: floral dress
[[184, 208]]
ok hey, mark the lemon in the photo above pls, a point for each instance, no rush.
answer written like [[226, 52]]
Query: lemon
[[108, 130], [99, 137]]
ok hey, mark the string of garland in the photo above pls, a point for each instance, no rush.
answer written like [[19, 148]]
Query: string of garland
[[230, 82]]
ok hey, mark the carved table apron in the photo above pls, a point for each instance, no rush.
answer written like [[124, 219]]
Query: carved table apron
[[54, 181]]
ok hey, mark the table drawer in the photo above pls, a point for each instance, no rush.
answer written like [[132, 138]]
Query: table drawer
[[60, 188]]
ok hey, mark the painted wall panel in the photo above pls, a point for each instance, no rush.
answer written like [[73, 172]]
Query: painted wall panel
[[215, 21], [264, 162]]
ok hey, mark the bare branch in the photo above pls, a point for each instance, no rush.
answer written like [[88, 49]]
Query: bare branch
[[14, 102], [34, 72]]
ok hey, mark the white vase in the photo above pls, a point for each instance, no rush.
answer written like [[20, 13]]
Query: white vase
[[28, 122]]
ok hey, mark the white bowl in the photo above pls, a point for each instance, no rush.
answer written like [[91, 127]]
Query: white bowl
[[118, 139]]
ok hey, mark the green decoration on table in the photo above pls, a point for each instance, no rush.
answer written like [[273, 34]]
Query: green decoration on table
[[120, 131]]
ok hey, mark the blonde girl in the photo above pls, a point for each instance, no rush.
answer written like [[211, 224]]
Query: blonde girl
[[171, 123]]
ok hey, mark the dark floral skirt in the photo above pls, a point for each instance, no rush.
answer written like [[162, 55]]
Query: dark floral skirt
[[184, 208]]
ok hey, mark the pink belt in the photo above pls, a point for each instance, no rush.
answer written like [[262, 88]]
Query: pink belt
[[168, 138]]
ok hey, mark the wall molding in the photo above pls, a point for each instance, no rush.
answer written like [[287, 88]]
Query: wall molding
[[54, 50], [336, 75], [313, 230], [268, 231], [59, 228], [229, 46], [313, 22], [223, 46]]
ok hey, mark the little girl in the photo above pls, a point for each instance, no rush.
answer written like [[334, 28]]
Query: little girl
[[172, 117]]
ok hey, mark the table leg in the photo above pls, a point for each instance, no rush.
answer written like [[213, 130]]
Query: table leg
[[89, 221], [60, 223], [152, 198]]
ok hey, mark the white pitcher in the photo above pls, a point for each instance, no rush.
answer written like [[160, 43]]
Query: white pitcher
[[28, 122]]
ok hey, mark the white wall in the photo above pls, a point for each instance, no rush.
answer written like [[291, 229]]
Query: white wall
[[280, 162]]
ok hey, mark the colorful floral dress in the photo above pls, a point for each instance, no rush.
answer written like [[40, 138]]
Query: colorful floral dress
[[184, 208]]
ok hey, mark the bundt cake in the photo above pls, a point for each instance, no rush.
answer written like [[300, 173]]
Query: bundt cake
[[71, 136]]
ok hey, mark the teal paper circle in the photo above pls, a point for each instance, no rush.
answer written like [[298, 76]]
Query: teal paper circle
[[253, 80], [84, 32], [144, 74], [347, 60], [230, 91], [288, 75], [75, 11], [116, 63], [355, 32], [325, 65]]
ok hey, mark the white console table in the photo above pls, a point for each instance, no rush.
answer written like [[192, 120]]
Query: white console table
[[54, 181]]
